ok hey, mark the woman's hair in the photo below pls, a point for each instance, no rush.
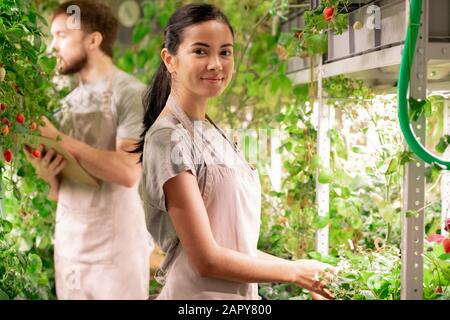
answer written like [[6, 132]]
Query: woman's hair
[[156, 96]]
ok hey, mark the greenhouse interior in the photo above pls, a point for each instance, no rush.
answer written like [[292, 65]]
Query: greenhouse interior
[[337, 116]]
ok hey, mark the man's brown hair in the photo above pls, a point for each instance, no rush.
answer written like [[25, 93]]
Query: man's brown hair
[[94, 16]]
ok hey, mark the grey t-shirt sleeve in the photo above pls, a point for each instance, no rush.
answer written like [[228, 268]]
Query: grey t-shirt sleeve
[[130, 112], [167, 153]]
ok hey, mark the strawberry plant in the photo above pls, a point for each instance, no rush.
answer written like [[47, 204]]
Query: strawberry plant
[[26, 93], [312, 39]]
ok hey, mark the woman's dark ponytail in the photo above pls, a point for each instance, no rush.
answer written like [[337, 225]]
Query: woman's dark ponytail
[[154, 101], [156, 96]]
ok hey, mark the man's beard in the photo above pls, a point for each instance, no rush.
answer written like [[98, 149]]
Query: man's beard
[[74, 67]]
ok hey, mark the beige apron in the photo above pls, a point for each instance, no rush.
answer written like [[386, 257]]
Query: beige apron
[[232, 197], [102, 247]]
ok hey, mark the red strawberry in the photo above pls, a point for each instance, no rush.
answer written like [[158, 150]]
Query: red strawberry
[[2, 107], [6, 121], [5, 130], [446, 244], [33, 126], [20, 118], [447, 225], [8, 155], [328, 13], [36, 153]]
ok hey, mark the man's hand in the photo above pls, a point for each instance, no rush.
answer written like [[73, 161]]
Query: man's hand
[[116, 166], [48, 166], [49, 130]]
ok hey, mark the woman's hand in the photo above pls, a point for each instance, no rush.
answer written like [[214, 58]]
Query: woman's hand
[[317, 296], [314, 276]]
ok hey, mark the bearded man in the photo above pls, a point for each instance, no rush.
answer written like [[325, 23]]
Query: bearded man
[[102, 246]]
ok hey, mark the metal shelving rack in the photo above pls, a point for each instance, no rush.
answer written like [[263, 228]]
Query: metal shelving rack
[[374, 55]]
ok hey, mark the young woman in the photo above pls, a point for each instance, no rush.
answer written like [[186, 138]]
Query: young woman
[[202, 199]]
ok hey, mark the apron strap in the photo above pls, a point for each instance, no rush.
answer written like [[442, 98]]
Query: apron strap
[[178, 112], [196, 135], [233, 144], [107, 94], [161, 272]]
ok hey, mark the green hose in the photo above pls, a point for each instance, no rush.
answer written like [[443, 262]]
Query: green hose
[[412, 32]]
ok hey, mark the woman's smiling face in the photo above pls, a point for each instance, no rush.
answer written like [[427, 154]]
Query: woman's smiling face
[[204, 62]]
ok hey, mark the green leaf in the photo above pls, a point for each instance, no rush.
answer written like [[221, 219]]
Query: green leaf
[[149, 10], [355, 222], [142, 58], [324, 176], [42, 242], [17, 193], [284, 38], [126, 62], [3, 295], [317, 43], [47, 63], [6, 226], [443, 143], [405, 157], [345, 192], [22, 171], [280, 117], [393, 167], [319, 9], [321, 221], [445, 256], [32, 17], [34, 263], [42, 20], [315, 255], [330, 260], [163, 18], [253, 89], [432, 172], [140, 31], [14, 34], [301, 92], [375, 282], [417, 108], [338, 143], [284, 83], [37, 43], [46, 210], [29, 50], [322, 258], [341, 23], [427, 108], [411, 213], [315, 162], [358, 150], [386, 211], [347, 210], [288, 146]]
